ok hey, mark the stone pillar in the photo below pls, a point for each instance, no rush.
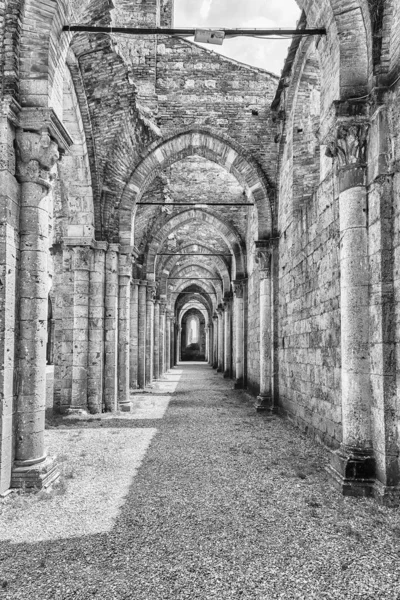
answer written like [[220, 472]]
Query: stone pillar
[[96, 328], [37, 154], [220, 311], [228, 337], [173, 342], [157, 339], [81, 259], [215, 341], [111, 329], [133, 354], [151, 294], [124, 301], [168, 340], [239, 323], [142, 335], [179, 343], [353, 466], [162, 338], [208, 350], [263, 254]]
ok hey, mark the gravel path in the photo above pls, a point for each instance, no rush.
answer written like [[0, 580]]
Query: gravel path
[[226, 503]]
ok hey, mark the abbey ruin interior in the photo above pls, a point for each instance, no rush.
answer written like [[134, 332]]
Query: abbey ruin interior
[[154, 193]]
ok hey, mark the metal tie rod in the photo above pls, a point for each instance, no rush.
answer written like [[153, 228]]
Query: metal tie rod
[[198, 205], [192, 31], [189, 254], [195, 278]]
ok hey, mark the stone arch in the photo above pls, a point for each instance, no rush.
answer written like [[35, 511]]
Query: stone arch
[[195, 295], [226, 231], [219, 265], [305, 125], [349, 39], [210, 146], [205, 289]]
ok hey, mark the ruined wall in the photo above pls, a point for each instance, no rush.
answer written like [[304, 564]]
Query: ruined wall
[[308, 277]]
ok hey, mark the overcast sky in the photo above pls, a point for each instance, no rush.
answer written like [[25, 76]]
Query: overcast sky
[[267, 54]]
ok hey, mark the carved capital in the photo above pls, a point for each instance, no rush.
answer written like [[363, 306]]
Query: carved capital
[[238, 288], [348, 143], [262, 256], [81, 258], [37, 154], [151, 291], [163, 307]]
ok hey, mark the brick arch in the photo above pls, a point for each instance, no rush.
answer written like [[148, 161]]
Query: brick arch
[[197, 295], [168, 269], [226, 231], [349, 30], [210, 146], [205, 288]]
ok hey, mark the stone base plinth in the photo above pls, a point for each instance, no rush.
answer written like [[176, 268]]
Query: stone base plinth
[[219, 370], [238, 385], [125, 407], [76, 411], [389, 495], [264, 403], [35, 477], [353, 473], [227, 374]]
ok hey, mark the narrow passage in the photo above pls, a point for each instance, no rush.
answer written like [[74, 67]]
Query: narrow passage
[[226, 503]]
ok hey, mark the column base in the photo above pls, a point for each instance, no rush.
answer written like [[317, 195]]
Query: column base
[[238, 385], [227, 374], [264, 403], [389, 495], [125, 406], [35, 477], [352, 472], [76, 411]]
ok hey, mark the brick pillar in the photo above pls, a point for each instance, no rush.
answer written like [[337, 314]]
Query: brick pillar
[[215, 341], [134, 321], [151, 293], [168, 340], [142, 334], [162, 338], [156, 339], [111, 329], [239, 338], [96, 328], [124, 302], [228, 337], [263, 254], [353, 467], [37, 154], [220, 311]]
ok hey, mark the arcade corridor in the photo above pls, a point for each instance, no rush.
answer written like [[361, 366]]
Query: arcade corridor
[[226, 503]]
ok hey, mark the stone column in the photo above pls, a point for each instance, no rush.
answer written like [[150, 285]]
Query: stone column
[[157, 339], [124, 301], [239, 322], [162, 338], [151, 294], [173, 342], [263, 253], [208, 351], [220, 311], [111, 329], [215, 341], [168, 340], [227, 337], [142, 335], [133, 354], [178, 343], [81, 259], [96, 328], [353, 466], [37, 154]]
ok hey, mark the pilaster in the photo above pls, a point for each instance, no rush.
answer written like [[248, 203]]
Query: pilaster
[[124, 301], [238, 292], [134, 323], [263, 256], [142, 343], [111, 329]]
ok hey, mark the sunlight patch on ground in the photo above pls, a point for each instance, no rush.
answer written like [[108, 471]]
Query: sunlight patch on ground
[[98, 466]]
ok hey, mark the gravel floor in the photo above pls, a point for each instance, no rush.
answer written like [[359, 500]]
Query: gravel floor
[[226, 503]]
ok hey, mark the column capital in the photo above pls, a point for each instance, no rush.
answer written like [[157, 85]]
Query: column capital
[[81, 258], [100, 245], [143, 282], [238, 287], [163, 307], [220, 309], [215, 317], [37, 154], [135, 281], [114, 247], [262, 256], [151, 291]]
